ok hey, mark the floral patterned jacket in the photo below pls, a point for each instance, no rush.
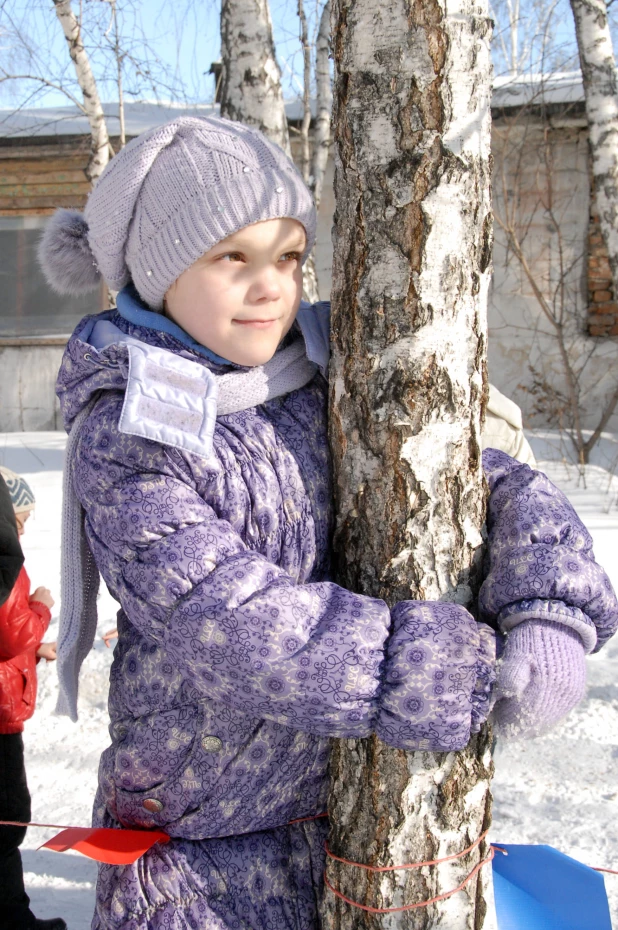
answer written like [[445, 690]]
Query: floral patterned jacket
[[237, 657]]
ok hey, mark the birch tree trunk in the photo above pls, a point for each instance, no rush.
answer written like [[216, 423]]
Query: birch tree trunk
[[310, 276], [100, 149], [410, 280], [321, 136], [251, 80], [306, 120], [324, 101], [596, 57], [251, 84]]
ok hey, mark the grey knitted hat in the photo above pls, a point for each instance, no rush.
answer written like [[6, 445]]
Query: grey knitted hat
[[165, 199], [22, 497]]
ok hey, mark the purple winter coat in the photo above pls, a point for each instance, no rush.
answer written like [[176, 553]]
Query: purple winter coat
[[237, 657]]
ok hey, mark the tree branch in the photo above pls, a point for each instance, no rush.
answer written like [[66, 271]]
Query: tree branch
[[41, 80]]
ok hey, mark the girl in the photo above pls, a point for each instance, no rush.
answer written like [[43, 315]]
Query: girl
[[198, 451]]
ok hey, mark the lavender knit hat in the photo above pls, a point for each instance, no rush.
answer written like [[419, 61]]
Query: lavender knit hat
[[165, 199]]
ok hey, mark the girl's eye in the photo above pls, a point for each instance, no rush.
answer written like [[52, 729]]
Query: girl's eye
[[231, 257], [290, 257]]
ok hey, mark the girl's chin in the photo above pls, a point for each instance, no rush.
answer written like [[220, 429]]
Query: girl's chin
[[250, 360]]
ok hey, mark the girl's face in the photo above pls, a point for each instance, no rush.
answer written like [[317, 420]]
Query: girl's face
[[20, 520], [241, 297]]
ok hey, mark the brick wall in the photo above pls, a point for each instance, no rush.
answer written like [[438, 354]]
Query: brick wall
[[602, 305]]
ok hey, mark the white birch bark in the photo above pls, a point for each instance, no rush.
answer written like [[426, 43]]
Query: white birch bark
[[324, 101], [410, 281], [306, 121], [100, 146], [596, 57], [310, 277], [251, 80]]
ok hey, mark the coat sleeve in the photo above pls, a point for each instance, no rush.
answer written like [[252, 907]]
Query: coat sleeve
[[311, 656], [11, 556], [22, 623], [540, 559]]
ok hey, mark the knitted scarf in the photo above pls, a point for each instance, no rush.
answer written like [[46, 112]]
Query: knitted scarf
[[287, 371]]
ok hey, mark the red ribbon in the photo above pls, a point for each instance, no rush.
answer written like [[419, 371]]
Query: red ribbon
[[115, 847]]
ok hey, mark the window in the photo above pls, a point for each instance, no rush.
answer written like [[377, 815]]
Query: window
[[28, 306]]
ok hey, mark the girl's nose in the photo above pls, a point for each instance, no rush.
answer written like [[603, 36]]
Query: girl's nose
[[265, 286]]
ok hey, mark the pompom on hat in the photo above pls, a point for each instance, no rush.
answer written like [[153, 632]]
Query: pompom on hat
[[165, 199], [20, 491]]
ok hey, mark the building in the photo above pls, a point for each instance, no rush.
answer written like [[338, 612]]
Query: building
[[553, 317]]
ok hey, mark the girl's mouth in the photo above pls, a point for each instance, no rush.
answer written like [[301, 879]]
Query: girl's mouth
[[256, 324]]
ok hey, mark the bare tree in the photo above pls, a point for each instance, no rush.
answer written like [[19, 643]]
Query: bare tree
[[103, 51], [411, 273], [310, 278], [306, 120], [251, 84], [527, 37], [112, 34], [596, 56], [322, 128], [251, 79], [324, 105], [101, 149]]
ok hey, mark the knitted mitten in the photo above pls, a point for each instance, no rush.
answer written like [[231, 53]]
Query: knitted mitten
[[541, 676]]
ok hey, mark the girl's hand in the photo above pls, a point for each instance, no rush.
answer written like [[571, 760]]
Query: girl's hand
[[43, 596], [541, 676], [47, 651], [111, 634]]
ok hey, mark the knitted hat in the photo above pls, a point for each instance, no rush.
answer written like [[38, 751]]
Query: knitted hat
[[165, 199], [22, 497]]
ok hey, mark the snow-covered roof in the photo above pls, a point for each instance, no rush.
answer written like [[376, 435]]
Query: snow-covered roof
[[70, 121], [140, 115], [145, 114], [516, 91]]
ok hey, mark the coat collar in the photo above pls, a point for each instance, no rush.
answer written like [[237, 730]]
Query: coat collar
[[313, 321]]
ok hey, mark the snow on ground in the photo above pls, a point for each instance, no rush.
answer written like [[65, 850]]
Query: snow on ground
[[561, 789]]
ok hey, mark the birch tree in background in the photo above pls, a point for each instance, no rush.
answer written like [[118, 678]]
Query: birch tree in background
[[251, 79], [324, 105], [527, 37], [90, 103], [251, 84], [410, 280], [101, 149], [110, 55], [313, 164], [596, 56]]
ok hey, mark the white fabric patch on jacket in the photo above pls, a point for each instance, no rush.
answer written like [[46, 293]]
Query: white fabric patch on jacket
[[169, 399]]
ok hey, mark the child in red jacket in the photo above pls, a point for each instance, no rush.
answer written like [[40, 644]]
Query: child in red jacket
[[24, 619]]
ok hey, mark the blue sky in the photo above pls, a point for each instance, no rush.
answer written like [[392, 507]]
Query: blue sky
[[177, 40], [174, 43]]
